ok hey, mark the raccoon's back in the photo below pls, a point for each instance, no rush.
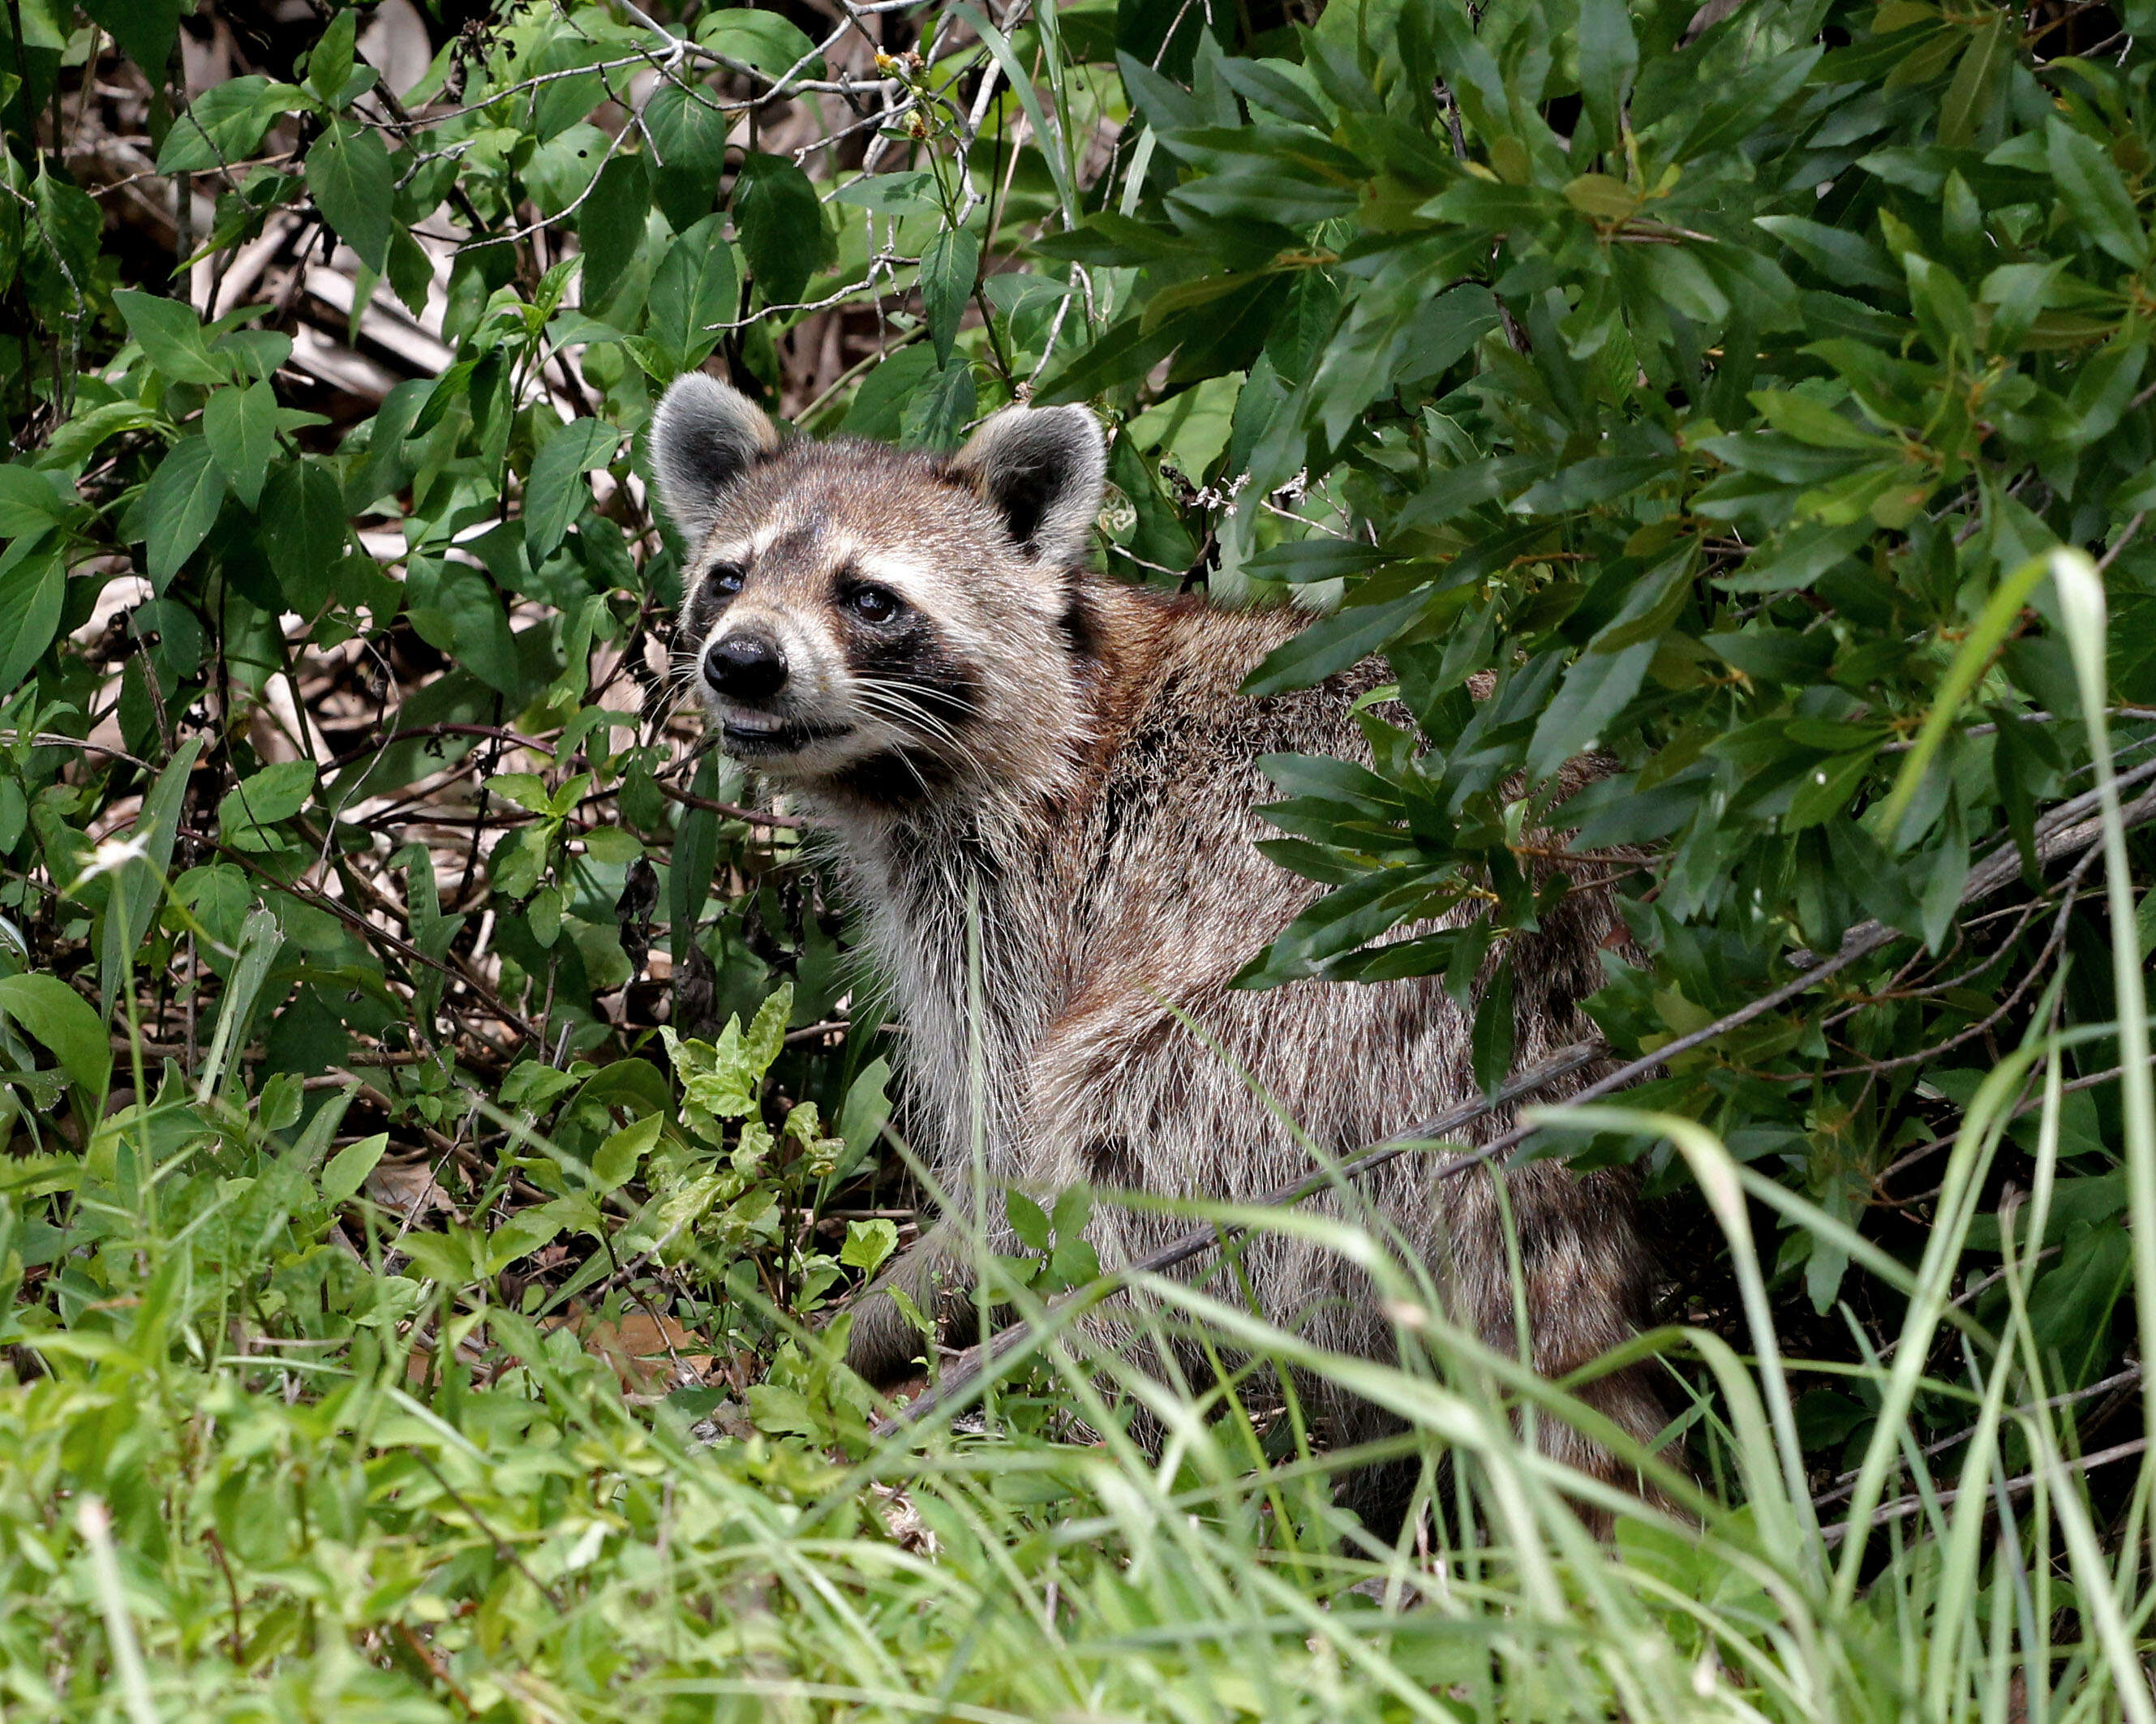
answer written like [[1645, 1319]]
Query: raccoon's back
[[1163, 877]]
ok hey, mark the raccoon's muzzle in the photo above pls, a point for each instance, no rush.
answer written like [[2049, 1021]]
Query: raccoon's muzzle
[[746, 665]]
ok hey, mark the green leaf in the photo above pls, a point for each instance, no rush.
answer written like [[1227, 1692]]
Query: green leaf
[[240, 426], [1969, 663], [694, 286], [1332, 643], [455, 607], [1027, 1221], [276, 792], [225, 123], [766, 40], [894, 194], [180, 506], [350, 179], [1837, 253], [1825, 790], [33, 589], [563, 169], [613, 1163], [171, 335], [868, 1243], [1490, 1043], [2090, 183], [611, 226], [345, 1171], [688, 129], [947, 270], [942, 409], [1608, 55], [1809, 420], [1597, 688], [781, 223], [304, 530], [555, 494], [330, 61], [63, 1021], [879, 405], [30, 501], [1969, 97], [145, 29]]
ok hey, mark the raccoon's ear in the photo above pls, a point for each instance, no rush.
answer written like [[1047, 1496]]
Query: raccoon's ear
[[704, 436], [1043, 468]]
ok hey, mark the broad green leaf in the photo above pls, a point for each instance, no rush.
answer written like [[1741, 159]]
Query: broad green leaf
[[555, 494], [614, 1162], [1809, 420], [62, 1020], [180, 506], [32, 502], [1825, 790], [455, 607], [611, 226], [1490, 1043], [225, 123], [947, 270], [1332, 643], [171, 335], [879, 405], [33, 589], [345, 1171], [766, 40], [240, 425], [352, 182], [1969, 97], [1837, 253], [688, 129], [694, 288], [79, 438], [780, 222], [896, 194], [304, 530], [868, 1243], [1028, 1221], [1608, 56], [146, 29], [276, 792], [330, 60], [942, 409], [563, 169]]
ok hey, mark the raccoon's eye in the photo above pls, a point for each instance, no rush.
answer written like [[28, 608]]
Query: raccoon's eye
[[873, 604], [726, 580]]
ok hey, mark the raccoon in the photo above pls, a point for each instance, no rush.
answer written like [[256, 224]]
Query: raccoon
[[1039, 784]]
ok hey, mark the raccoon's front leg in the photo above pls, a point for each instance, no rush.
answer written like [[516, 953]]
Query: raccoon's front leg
[[935, 1273]]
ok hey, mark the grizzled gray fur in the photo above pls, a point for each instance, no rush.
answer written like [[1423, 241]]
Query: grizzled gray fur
[[916, 649]]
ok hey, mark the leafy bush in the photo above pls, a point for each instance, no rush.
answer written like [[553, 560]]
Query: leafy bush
[[437, 1097]]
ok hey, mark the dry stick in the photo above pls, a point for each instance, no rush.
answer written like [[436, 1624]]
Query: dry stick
[[2062, 829], [2014, 1487]]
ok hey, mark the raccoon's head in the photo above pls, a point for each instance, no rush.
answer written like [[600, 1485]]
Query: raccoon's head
[[881, 624]]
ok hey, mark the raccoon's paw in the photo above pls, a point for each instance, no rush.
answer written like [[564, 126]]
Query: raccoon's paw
[[885, 1344]]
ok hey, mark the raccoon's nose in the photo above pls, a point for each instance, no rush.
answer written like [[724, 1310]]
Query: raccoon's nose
[[746, 666]]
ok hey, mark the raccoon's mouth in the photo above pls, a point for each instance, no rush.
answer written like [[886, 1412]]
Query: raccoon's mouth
[[767, 733]]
